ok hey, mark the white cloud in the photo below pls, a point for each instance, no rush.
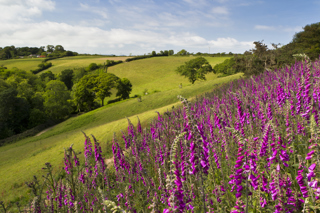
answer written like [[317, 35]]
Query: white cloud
[[278, 28], [96, 40], [23, 10], [231, 43], [264, 27], [220, 10]]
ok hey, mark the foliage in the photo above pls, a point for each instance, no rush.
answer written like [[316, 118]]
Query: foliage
[[138, 58], [83, 94], [110, 63], [225, 68], [11, 52], [66, 76], [92, 66], [307, 41], [153, 54], [195, 69], [262, 58], [47, 76], [56, 100], [183, 52], [42, 66], [14, 112], [124, 88], [104, 83]]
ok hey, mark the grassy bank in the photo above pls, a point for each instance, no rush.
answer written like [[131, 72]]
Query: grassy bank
[[21, 160]]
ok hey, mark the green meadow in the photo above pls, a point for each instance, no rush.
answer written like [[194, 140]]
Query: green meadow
[[23, 159], [23, 63]]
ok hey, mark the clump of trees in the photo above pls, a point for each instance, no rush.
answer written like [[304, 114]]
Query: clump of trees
[[153, 54], [41, 67], [226, 68], [195, 69], [51, 51], [28, 100], [261, 58]]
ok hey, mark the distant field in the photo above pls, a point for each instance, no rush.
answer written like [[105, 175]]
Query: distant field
[[58, 64], [78, 62], [23, 64], [157, 73]]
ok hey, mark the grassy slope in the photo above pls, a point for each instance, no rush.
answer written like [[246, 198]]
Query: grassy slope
[[58, 64], [23, 64], [27, 156], [78, 62]]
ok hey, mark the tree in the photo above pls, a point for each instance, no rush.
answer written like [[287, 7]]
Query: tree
[[225, 68], [171, 52], [47, 76], [307, 41], [182, 52], [153, 53], [66, 77], [50, 48], [124, 88], [83, 93], [104, 83], [195, 69], [56, 100], [59, 49], [14, 113], [93, 66]]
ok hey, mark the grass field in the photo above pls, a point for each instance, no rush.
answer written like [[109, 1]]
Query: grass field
[[58, 64], [78, 62], [21, 160], [23, 64]]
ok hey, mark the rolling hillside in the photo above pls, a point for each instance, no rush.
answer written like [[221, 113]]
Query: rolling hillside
[[21, 160]]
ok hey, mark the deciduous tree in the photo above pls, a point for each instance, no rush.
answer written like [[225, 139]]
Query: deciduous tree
[[195, 69], [56, 100], [66, 77], [124, 88]]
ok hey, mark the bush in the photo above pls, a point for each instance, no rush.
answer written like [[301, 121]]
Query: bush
[[42, 66], [225, 68]]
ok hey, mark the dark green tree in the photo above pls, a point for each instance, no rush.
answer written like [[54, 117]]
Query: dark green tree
[[153, 53], [182, 52], [124, 88], [195, 69], [50, 48], [47, 76], [93, 66], [56, 100], [59, 49], [83, 93], [103, 84], [66, 77], [14, 113]]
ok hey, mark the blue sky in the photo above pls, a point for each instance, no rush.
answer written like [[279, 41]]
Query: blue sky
[[138, 27]]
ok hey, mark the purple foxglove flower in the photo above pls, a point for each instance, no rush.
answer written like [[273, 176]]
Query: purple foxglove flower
[[238, 194]]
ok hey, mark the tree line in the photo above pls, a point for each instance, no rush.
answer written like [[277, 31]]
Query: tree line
[[28, 100], [261, 58], [11, 52]]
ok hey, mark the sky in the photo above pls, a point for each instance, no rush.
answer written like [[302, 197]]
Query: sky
[[124, 27]]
